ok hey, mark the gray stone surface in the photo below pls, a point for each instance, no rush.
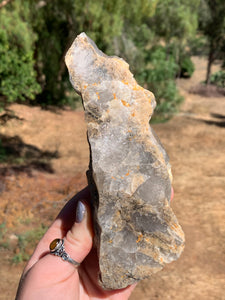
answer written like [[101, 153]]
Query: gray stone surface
[[136, 231]]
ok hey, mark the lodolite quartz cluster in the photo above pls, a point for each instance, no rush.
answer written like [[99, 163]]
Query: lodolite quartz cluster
[[136, 231]]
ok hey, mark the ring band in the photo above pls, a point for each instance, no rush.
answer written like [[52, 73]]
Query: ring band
[[57, 248]]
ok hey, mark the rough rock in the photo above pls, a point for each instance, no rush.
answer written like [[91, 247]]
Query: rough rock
[[136, 231]]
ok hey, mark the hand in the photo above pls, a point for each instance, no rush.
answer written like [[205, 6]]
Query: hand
[[47, 276]]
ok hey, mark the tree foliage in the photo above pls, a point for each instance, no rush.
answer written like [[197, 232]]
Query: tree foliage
[[17, 73], [218, 79], [212, 24], [151, 35], [57, 24], [159, 77], [175, 20]]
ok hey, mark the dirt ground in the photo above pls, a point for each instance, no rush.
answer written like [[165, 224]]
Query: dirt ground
[[55, 144]]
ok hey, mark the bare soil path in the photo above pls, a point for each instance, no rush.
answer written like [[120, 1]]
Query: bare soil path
[[32, 192]]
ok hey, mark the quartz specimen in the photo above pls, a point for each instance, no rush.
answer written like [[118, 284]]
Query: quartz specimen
[[136, 231]]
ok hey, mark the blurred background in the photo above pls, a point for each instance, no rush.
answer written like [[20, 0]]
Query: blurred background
[[176, 49]]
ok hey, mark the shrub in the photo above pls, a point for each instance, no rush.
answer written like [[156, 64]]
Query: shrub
[[218, 78], [159, 76], [186, 67], [17, 74], [198, 45], [27, 241]]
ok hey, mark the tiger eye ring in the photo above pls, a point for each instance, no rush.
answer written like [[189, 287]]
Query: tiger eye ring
[[57, 248]]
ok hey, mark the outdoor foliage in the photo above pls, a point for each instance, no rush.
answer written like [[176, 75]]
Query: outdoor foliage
[[186, 67], [218, 78], [156, 38], [212, 24], [17, 73], [159, 76], [26, 241]]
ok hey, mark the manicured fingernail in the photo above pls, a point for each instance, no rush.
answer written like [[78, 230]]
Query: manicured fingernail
[[80, 212]]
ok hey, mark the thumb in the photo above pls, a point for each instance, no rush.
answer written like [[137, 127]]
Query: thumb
[[51, 271], [77, 244], [78, 240]]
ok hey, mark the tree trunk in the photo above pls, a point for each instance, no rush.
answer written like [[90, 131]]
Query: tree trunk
[[210, 61]]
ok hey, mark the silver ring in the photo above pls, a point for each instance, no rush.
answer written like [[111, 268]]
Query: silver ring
[[57, 248]]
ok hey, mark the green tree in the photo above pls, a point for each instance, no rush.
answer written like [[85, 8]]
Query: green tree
[[157, 49], [212, 24], [159, 76], [58, 22], [149, 34], [17, 73], [175, 19], [174, 23]]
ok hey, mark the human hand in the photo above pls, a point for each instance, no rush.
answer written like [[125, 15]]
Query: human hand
[[47, 276]]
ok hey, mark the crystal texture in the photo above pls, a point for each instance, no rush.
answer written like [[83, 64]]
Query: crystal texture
[[136, 231]]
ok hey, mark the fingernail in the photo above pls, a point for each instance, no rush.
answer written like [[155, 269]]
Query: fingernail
[[80, 212]]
